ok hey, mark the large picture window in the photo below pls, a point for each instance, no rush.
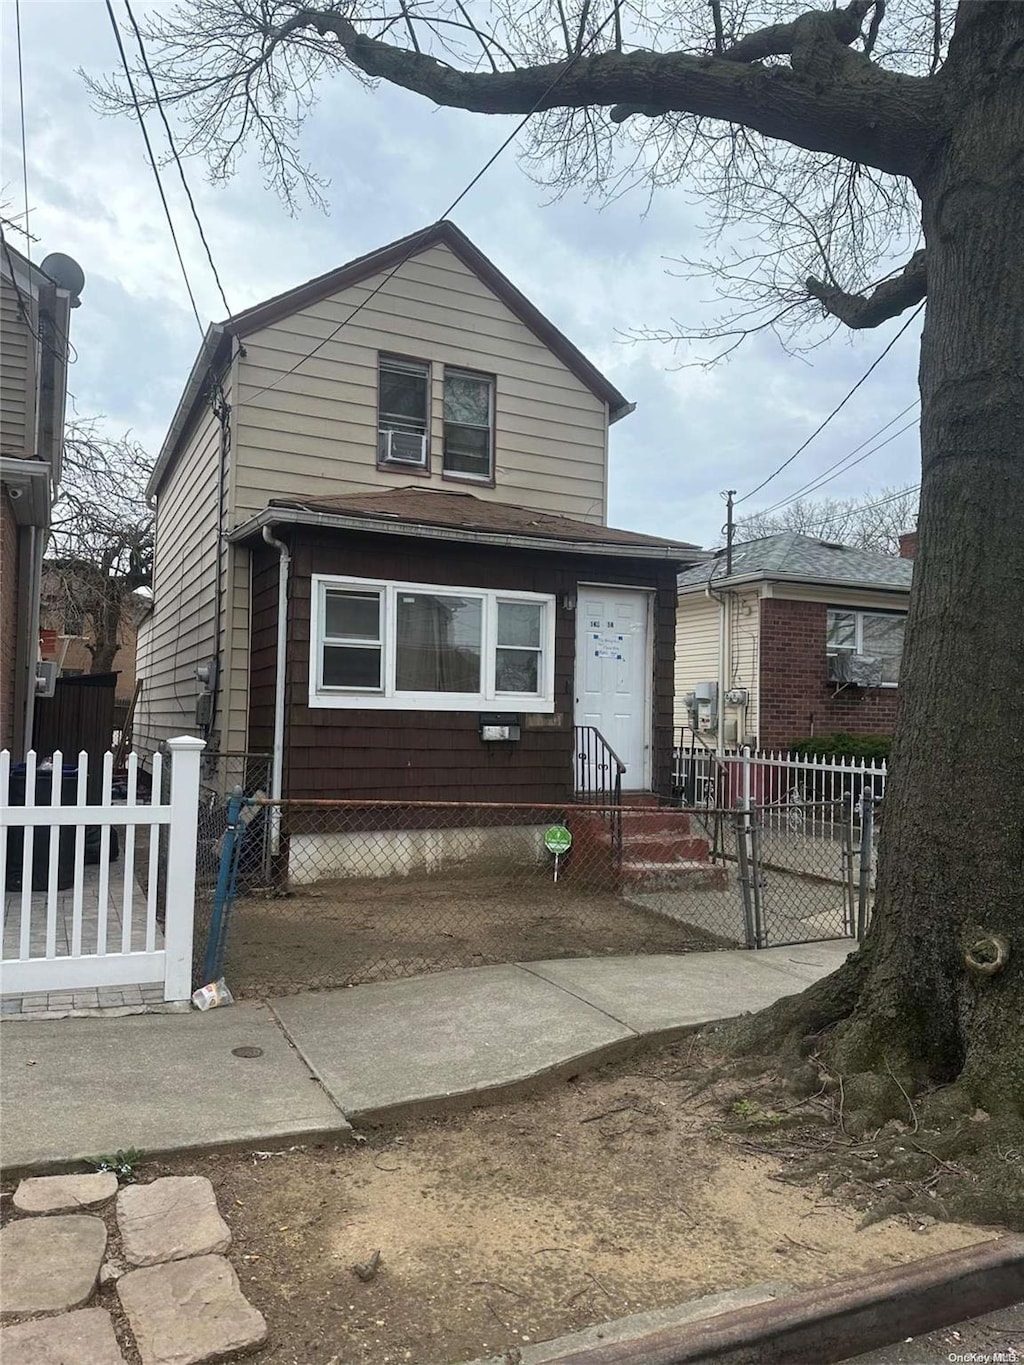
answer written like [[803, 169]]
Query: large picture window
[[878, 634], [424, 646]]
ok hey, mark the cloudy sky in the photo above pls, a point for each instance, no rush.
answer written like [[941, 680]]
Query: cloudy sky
[[394, 163]]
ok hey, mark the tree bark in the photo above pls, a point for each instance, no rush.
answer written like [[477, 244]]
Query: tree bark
[[952, 860]]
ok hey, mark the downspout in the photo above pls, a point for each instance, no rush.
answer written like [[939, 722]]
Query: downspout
[[277, 769], [723, 659], [30, 639]]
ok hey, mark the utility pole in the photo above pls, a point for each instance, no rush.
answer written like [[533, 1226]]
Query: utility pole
[[730, 528]]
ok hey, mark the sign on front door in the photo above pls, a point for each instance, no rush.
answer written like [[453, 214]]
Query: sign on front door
[[612, 674]]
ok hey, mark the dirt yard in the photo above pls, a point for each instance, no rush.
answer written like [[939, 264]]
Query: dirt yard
[[604, 1196], [343, 932]]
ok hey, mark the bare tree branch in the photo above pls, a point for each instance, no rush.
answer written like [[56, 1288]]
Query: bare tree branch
[[879, 117], [887, 300]]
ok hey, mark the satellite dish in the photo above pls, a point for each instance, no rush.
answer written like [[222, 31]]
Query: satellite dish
[[66, 273]]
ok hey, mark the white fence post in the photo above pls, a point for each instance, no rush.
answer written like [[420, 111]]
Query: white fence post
[[181, 865]]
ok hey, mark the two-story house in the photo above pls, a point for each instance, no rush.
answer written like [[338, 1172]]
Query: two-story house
[[381, 545], [35, 313]]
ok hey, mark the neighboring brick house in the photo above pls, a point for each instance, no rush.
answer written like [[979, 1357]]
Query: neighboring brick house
[[67, 632], [756, 650], [35, 311]]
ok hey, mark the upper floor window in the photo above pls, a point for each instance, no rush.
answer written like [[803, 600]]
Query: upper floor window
[[875, 633], [403, 412], [468, 425], [423, 646]]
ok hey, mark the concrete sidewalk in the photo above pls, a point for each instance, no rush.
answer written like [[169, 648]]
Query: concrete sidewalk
[[75, 1088]]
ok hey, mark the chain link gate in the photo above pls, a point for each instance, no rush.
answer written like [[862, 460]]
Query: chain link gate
[[805, 870]]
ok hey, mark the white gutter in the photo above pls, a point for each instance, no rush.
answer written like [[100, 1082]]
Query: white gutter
[[742, 580], [277, 769], [382, 525]]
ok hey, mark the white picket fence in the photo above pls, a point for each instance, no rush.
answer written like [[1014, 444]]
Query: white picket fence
[[69, 926]]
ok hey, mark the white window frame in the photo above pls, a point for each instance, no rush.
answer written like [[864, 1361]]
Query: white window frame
[[858, 613], [389, 698]]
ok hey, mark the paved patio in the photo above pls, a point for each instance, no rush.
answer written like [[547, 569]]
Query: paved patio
[[104, 997]]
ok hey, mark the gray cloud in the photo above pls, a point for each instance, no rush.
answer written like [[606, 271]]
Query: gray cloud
[[394, 163]]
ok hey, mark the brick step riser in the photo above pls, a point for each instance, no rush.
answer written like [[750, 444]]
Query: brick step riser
[[658, 822], [668, 879]]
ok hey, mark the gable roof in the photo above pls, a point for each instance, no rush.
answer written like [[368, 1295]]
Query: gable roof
[[465, 517], [804, 559], [216, 344]]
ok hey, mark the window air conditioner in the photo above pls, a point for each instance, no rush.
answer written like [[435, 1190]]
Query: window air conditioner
[[855, 670], [403, 447]]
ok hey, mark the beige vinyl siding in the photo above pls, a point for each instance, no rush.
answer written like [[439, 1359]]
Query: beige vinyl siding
[[744, 643], [315, 431], [18, 376], [181, 631], [696, 648], [697, 627]]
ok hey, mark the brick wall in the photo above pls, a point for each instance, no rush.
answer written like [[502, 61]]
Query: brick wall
[[8, 617], [796, 698], [908, 545]]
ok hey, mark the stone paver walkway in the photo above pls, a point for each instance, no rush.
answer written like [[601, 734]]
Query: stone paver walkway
[[183, 1305]]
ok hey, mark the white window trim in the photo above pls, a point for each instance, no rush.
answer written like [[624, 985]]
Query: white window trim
[[388, 699], [858, 614]]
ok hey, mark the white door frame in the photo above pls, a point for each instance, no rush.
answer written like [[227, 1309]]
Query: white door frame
[[648, 700]]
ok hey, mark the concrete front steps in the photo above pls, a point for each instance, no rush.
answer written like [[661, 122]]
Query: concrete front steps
[[660, 850]]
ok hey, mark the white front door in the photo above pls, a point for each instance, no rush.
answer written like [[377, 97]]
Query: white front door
[[613, 682]]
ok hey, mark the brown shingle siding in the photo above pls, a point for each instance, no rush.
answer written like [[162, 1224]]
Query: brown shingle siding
[[424, 755]]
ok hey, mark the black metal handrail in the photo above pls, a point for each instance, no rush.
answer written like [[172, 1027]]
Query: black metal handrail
[[598, 779]]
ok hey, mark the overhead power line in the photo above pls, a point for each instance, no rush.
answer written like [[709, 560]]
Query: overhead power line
[[152, 161], [835, 411], [821, 526], [841, 465], [174, 153], [452, 206], [21, 108]]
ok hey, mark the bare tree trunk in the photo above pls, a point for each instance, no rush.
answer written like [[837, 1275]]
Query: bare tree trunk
[[952, 866], [107, 627]]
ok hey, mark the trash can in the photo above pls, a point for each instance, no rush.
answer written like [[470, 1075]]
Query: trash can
[[41, 834]]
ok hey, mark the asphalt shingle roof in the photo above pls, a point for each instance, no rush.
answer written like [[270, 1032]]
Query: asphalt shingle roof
[[465, 511], [793, 556]]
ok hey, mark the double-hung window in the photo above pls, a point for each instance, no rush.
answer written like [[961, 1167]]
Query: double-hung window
[[875, 633], [424, 646], [403, 412], [468, 425]]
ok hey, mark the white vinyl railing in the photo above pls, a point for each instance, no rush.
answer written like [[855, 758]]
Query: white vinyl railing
[[77, 912]]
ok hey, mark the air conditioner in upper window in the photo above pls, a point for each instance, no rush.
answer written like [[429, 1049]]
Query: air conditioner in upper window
[[855, 670], [403, 447]]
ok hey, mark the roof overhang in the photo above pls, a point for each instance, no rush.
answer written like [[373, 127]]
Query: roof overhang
[[386, 526], [746, 580], [28, 483], [215, 338]]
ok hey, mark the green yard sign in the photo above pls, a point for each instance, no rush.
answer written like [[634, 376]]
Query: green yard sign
[[557, 840]]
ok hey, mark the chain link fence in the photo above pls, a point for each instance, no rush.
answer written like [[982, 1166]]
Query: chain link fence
[[337, 893], [370, 891], [806, 870], [220, 775]]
